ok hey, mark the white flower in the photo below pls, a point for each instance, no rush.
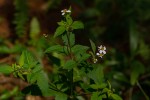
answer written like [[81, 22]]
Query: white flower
[[45, 35], [65, 11], [95, 60], [101, 51], [100, 54]]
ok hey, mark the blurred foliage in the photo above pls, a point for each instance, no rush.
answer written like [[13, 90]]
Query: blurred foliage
[[123, 24], [21, 16]]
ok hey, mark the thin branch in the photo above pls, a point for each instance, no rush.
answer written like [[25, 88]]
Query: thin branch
[[147, 98]]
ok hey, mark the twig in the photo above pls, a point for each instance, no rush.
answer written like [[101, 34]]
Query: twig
[[147, 98]]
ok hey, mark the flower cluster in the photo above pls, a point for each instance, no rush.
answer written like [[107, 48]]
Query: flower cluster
[[65, 11], [101, 51]]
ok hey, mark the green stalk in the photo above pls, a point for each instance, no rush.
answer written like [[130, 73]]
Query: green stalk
[[138, 84], [71, 72]]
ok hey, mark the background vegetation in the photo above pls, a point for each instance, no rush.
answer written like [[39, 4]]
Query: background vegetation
[[121, 25]]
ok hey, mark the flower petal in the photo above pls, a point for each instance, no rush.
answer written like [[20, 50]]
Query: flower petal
[[104, 52], [97, 54], [100, 51], [68, 11], [100, 47], [104, 48], [63, 13]]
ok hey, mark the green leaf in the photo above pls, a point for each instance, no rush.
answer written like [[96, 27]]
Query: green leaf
[[78, 74], [8, 94], [60, 30], [34, 28], [69, 64], [20, 17], [20, 75], [137, 69], [69, 20], [80, 98], [144, 50], [29, 59], [55, 48], [116, 97], [79, 49], [98, 86], [71, 39], [97, 74], [21, 60], [32, 77], [93, 46], [77, 25], [17, 48], [80, 52], [56, 60], [42, 82], [120, 77], [60, 96], [6, 69], [62, 23], [105, 90], [4, 50], [134, 37], [95, 96], [82, 57]]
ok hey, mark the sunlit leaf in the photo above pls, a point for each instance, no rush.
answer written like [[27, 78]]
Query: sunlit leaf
[[21, 60]]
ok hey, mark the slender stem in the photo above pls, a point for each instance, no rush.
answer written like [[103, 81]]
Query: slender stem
[[130, 93], [147, 98], [71, 72], [71, 85]]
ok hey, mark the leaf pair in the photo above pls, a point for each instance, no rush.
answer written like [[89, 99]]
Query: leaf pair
[[63, 27]]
